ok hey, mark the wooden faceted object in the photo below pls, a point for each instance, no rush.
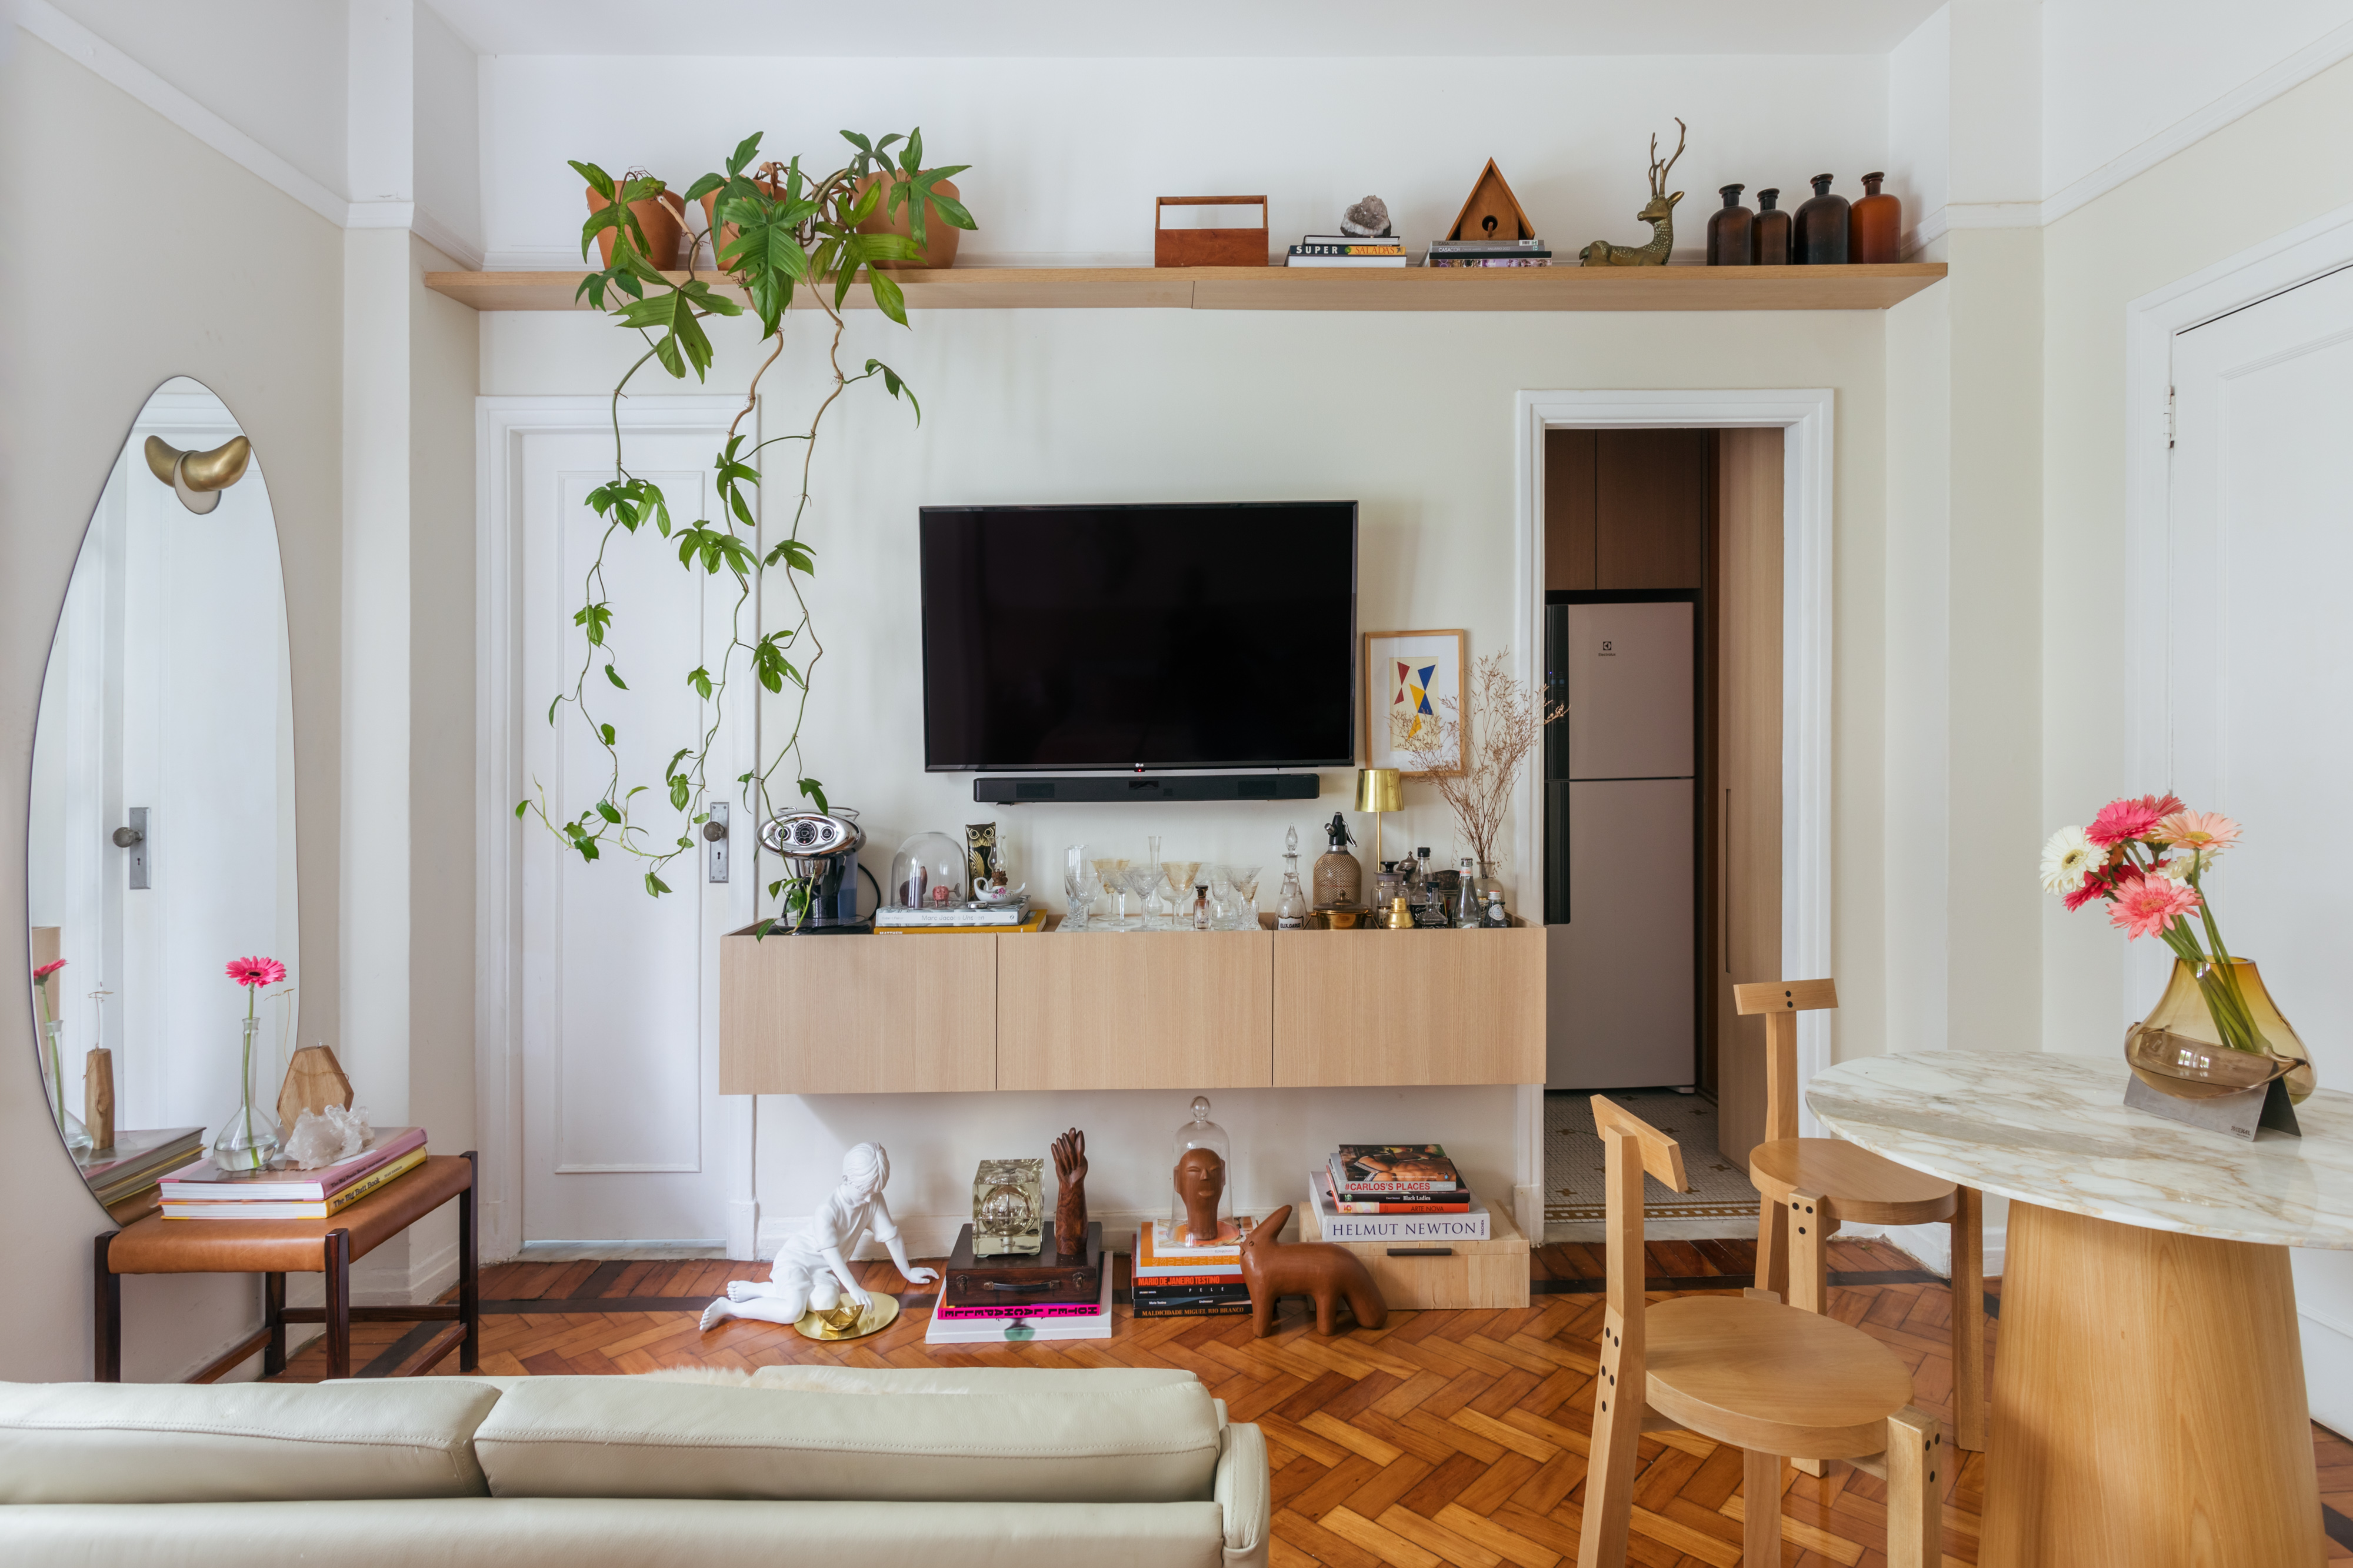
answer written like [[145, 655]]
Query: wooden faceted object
[[1659, 211], [314, 1081], [97, 1099], [1200, 1179], [1492, 212], [1071, 1202], [1326, 1274]]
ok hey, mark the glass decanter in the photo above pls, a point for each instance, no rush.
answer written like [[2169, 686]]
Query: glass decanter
[[1290, 899], [247, 1139], [1467, 915]]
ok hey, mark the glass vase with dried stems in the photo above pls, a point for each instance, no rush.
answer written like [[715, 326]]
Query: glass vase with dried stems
[[1505, 721]]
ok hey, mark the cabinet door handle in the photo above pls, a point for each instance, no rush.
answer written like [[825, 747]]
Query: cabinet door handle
[[1421, 1252]]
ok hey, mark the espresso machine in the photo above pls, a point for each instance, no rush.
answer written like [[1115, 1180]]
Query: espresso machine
[[820, 850]]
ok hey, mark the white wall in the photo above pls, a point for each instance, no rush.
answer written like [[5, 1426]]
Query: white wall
[[1068, 154], [113, 328], [446, 118]]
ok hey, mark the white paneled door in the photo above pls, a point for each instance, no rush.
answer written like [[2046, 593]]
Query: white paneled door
[[2259, 682], [625, 1136]]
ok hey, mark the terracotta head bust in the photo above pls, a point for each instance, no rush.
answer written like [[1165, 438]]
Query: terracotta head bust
[[1200, 1183]]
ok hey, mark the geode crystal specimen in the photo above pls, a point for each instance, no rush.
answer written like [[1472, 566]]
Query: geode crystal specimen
[[1368, 219]]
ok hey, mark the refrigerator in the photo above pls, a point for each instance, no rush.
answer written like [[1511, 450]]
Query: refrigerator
[[1620, 848]]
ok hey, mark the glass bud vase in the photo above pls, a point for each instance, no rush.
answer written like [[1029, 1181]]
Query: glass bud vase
[[78, 1142], [2214, 1030], [246, 1138]]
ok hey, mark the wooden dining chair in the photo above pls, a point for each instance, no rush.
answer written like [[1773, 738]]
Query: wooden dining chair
[[1748, 1371], [1808, 1186]]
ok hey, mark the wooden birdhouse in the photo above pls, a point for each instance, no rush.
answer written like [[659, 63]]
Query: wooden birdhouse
[[1492, 212]]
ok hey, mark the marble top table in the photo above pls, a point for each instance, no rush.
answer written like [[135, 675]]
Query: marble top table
[[2148, 1404]]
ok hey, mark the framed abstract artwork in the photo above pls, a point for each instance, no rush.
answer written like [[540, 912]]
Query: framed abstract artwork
[[1413, 687]]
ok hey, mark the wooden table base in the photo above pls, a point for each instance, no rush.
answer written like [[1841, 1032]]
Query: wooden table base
[[2148, 1407]]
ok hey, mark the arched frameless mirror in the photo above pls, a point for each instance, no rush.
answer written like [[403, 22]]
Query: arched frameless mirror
[[160, 844]]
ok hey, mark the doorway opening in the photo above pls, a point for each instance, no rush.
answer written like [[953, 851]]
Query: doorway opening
[[1661, 803]]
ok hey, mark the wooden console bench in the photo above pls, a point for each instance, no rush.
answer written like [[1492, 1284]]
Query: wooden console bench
[[274, 1248], [1178, 1010]]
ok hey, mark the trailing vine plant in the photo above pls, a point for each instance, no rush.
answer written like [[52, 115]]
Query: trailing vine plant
[[791, 231]]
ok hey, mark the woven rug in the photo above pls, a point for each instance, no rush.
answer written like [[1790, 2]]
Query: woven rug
[[1573, 1161]]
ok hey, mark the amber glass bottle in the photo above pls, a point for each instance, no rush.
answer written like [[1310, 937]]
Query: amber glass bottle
[[1770, 233], [1874, 226], [1729, 231], [1821, 238]]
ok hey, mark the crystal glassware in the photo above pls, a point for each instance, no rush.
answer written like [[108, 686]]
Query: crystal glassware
[[69, 1126], [1291, 901], [1243, 912], [246, 1138], [1144, 879], [1182, 875], [1082, 885], [1157, 907], [1113, 870]]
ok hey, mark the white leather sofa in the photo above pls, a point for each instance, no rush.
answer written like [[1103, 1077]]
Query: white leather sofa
[[990, 1468]]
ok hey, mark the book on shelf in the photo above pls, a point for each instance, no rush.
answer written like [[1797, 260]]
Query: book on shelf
[[1394, 260], [953, 916], [1034, 921], [325, 1208], [1432, 1228], [1183, 1300], [1484, 245], [1158, 1255], [1348, 247], [1222, 1310], [1460, 262], [1456, 1202], [205, 1182], [970, 1330], [1034, 1309], [1362, 1168]]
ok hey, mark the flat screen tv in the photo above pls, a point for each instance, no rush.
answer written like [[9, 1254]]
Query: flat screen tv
[[1093, 637]]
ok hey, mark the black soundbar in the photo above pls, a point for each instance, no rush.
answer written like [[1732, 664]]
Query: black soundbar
[[1095, 788]]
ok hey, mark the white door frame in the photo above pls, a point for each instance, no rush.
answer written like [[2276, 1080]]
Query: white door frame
[[1806, 416], [500, 423]]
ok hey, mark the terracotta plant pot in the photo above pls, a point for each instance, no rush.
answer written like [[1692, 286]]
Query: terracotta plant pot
[[663, 217], [939, 234]]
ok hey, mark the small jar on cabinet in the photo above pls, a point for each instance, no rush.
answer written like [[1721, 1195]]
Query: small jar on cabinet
[[1820, 236], [1769, 231], [1729, 231], [1874, 226]]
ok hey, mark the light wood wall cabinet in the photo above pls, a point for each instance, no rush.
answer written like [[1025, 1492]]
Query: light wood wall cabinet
[[850, 1015], [1181, 1010], [1409, 1007], [1153, 1010]]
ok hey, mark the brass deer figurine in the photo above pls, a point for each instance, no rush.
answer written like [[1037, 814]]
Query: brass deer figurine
[[1659, 214]]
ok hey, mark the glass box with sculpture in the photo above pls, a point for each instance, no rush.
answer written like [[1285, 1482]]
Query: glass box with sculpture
[[159, 849]]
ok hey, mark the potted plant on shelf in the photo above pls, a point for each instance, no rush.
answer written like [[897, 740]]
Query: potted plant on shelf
[[1478, 789], [921, 203], [782, 235]]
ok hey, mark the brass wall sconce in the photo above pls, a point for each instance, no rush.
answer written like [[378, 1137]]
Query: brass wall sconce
[[198, 478]]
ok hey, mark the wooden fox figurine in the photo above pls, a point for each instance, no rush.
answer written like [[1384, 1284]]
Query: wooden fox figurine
[[1327, 1274]]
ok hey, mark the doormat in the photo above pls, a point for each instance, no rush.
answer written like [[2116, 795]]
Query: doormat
[[1574, 1161]]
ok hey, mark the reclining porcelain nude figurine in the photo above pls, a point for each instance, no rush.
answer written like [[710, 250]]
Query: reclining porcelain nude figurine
[[812, 1270]]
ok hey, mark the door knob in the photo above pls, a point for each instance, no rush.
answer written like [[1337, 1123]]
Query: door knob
[[714, 830], [124, 837]]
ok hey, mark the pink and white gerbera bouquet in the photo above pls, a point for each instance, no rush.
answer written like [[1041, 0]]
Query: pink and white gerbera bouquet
[[2145, 856]]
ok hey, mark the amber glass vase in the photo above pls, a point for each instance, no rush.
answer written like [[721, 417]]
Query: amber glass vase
[[1727, 231], [2214, 1031], [1874, 226], [1769, 231]]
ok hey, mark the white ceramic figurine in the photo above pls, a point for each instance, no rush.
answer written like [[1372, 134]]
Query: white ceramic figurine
[[813, 1268]]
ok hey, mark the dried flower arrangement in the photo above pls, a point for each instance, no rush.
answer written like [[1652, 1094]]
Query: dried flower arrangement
[[1510, 721]]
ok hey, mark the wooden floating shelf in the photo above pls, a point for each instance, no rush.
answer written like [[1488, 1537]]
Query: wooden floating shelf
[[1856, 287]]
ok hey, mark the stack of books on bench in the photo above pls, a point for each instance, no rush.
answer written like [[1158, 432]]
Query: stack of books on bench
[[137, 1161], [203, 1191], [1173, 1281], [1394, 1192]]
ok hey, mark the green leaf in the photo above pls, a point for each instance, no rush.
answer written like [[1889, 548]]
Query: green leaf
[[863, 206], [914, 160], [521, 806], [655, 884], [704, 186], [598, 181], [700, 678], [594, 619], [615, 676], [551, 710], [894, 384], [953, 211], [605, 809], [606, 731], [796, 557], [678, 793], [672, 771], [815, 791], [745, 150]]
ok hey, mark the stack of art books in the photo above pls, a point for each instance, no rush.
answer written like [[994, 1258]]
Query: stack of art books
[[1173, 1281]]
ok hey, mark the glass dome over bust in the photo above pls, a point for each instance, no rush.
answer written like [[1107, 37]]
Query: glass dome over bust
[[1201, 1180], [928, 872]]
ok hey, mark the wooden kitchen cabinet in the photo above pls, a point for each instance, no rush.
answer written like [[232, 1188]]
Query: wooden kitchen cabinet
[[857, 1014], [1146, 1010], [1389, 1007]]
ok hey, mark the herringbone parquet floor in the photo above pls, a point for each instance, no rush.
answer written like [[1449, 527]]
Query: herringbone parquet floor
[[1447, 1438]]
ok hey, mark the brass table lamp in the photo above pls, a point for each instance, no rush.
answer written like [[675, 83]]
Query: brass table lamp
[[1378, 791]]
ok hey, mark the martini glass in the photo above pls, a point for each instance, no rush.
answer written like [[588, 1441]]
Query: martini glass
[[1182, 875], [1111, 870], [1244, 879], [1144, 878]]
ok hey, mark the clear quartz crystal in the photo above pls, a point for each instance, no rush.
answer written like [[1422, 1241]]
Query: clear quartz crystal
[[1290, 902], [1468, 915]]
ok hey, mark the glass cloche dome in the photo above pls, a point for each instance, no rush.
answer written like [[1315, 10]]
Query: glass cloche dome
[[1202, 1137], [928, 872]]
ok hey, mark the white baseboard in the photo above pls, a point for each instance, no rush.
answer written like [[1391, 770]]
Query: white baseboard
[[1933, 1244], [744, 1229]]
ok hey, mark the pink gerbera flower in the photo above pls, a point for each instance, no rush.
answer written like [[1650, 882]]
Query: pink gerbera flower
[[2128, 818], [2204, 831], [256, 971], [2096, 885], [47, 969], [2145, 906]]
